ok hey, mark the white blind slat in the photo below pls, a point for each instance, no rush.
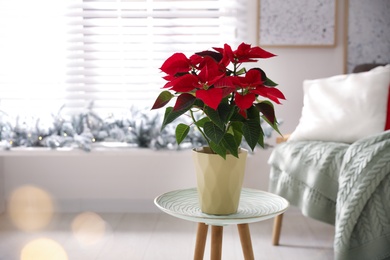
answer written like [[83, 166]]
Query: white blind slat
[[103, 51]]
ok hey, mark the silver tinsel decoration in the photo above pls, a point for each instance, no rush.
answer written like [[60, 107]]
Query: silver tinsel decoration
[[86, 130]]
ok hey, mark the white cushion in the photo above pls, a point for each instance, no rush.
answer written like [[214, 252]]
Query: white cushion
[[344, 108]]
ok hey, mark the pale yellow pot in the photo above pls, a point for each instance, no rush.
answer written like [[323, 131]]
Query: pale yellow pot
[[219, 181]]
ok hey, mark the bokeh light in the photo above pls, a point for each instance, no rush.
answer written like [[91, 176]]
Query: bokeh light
[[43, 249], [89, 228], [30, 208]]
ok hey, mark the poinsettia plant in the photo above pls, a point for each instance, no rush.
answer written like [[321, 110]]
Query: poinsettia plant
[[229, 97]]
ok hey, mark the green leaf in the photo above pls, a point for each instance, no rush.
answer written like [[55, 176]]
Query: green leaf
[[220, 150], [168, 111], [214, 117], [261, 140], [236, 129], [162, 99], [199, 103], [229, 143], [241, 71], [270, 83], [171, 115], [267, 109], [225, 112], [183, 103], [253, 114], [252, 131], [213, 132], [181, 132], [201, 122], [237, 117], [273, 125]]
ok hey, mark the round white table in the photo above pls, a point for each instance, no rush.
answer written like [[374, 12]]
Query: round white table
[[255, 205]]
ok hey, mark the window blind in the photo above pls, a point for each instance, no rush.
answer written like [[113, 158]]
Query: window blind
[[32, 57], [103, 53]]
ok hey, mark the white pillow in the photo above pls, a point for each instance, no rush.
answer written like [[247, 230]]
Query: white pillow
[[344, 108]]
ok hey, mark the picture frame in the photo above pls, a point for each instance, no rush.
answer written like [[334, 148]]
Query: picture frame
[[297, 23]]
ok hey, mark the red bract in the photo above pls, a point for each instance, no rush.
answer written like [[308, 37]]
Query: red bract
[[251, 79], [206, 74], [244, 53], [228, 84], [209, 74], [185, 83], [195, 60], [211, 97], [244, 101], [177, 63], [273, 94], [227, 55]]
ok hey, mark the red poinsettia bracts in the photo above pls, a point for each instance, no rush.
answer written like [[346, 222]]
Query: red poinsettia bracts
[[177, 63], [244, 53], [185, 83], [206, 75], [215, 79]]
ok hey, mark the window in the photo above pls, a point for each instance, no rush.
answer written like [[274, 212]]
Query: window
[[104, 53], [32, 51]]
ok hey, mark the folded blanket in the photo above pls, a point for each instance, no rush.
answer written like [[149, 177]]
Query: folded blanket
[[306, 174], [341, 184], [363, 200]]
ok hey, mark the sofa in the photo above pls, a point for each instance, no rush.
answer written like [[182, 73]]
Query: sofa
[[335, 166]]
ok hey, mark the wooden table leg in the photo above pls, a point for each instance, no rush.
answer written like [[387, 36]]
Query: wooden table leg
[[216, 242], [201, 236], [246, 242], [277, 229]]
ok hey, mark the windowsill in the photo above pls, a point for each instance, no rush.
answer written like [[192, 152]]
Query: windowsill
[[104, 148]]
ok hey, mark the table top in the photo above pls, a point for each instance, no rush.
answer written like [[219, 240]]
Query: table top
[[255, 205]]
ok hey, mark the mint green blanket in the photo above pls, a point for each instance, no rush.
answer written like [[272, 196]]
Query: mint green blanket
[[341, 184]]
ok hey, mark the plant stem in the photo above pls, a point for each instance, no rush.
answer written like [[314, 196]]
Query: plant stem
[[200, 130], [234, 74]]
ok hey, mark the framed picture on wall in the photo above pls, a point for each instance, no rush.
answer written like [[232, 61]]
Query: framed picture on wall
[[297, 23]]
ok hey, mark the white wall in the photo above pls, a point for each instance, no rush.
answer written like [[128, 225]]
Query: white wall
[[368, 32], [111, 180], [295, 64]]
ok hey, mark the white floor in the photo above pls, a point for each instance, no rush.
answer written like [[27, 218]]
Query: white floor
[[154, 236]]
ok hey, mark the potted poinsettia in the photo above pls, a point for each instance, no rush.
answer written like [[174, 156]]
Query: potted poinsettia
[[225, 101]]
